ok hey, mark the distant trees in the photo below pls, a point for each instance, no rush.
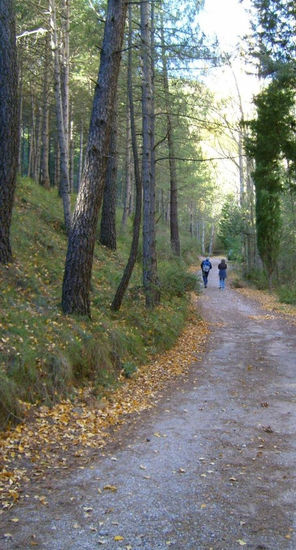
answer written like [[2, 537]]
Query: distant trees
[[8, 123], [61, 87], [56, 87]]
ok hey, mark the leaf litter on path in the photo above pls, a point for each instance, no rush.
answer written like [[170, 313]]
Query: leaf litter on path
[[56, 438]]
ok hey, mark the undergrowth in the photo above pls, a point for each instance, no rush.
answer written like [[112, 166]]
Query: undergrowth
[[45, 355]]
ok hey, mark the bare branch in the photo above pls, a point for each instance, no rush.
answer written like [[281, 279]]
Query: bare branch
[[41, 31]]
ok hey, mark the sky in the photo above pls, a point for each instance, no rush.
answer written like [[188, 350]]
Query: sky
[[225, 18], [229, 22]]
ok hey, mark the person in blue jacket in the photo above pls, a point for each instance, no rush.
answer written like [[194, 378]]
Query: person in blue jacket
[[222, 274], [206, 266]]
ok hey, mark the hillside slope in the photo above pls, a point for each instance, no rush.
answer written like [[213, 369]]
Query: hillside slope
[[46, 355]]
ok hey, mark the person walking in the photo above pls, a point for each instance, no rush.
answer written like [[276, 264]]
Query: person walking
[[222, 274], [206, 266]]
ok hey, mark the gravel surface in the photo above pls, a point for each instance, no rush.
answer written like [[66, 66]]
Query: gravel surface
[[212, 466]]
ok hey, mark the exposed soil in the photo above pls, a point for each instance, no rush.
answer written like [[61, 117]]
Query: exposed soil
[[212, 466]]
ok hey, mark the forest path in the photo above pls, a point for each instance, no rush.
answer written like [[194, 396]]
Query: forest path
[[211, 467]]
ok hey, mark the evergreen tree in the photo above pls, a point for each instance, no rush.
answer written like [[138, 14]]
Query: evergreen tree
[[272, 140], [8, 124], [79, 260]]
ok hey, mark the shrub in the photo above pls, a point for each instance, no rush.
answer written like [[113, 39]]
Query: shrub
[[175, 280], [129, 369], [10, 409], [287, 295], [258, 278]]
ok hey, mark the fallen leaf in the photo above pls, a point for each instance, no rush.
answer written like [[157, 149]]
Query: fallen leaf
[[241, 542], [118, 538], [112, 488], [267, 429]]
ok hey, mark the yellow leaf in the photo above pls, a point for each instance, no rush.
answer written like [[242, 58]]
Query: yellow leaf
[[110, 488], [118, 537], [203, 506], [241, 542]]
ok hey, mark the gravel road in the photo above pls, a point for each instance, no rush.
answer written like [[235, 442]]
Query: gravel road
[[211, 467]]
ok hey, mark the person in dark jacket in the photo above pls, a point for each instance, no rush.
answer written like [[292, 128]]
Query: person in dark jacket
[[206, 266], [222, 273]]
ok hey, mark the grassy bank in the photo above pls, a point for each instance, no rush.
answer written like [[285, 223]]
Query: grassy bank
[[45, 355]]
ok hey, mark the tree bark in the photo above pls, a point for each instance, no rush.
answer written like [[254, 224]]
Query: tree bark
[[62, 132], [174, 223], [117, 301], [150, 279], [8, 124], [80, 155], [79, 260], [211, 245], [203, 237], [108, 217], [128, 171], [44, 166], [20, 110]]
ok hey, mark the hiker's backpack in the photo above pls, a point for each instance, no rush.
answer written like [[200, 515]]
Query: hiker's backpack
[[206, 266]]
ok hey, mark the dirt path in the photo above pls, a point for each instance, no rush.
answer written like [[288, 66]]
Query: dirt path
[[212, 466]]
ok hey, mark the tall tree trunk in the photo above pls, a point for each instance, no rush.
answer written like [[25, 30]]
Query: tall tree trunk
[[65, 73], [77, 276], [62, 132], [128, 170], [44, 166], [191, 229], [212, 239], [32, 139], [108, 217], [37, 156], [57, 165], [117, 301], [203, 237], [8, 124], [150, 279], [174, 223], [20, 110], [80, 155], [71, 156]]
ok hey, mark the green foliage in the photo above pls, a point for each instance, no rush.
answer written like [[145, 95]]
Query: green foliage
[[10, 410], [175, 280], [258, 278], [230, 230], [272, 138], [287, 294], [129, 369]]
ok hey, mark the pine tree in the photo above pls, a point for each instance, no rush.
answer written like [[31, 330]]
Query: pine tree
[[8, 124]]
